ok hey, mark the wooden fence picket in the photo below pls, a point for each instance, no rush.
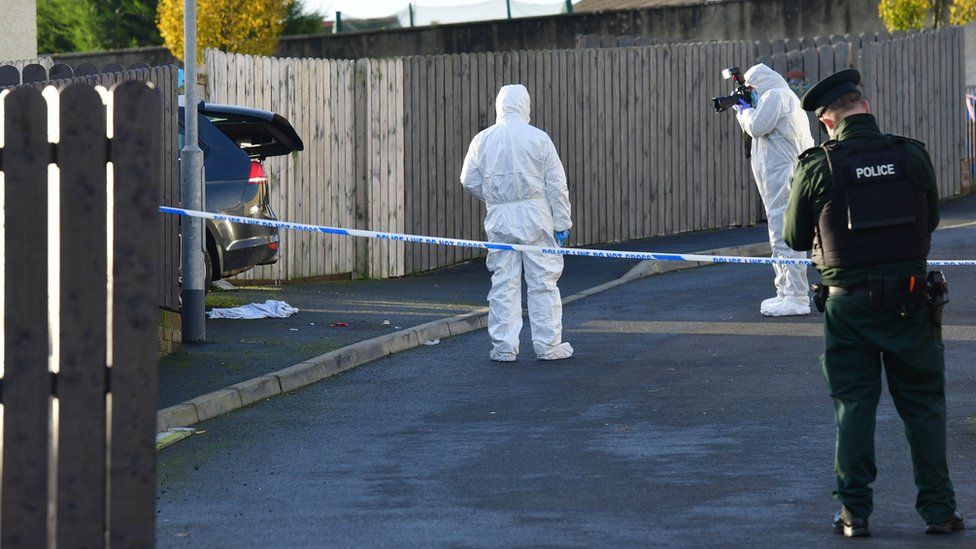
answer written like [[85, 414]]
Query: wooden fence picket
[[82, 369], [26, 377], [136, 159]]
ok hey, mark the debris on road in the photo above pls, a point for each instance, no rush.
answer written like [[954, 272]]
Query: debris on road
[[432, 342], [172, 436], [223, 286], [339, 324]]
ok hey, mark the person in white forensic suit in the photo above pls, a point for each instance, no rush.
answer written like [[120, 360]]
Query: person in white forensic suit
[[780, 131], [514, 168]]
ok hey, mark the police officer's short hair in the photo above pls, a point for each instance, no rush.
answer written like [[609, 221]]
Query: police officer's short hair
[[843, 103]]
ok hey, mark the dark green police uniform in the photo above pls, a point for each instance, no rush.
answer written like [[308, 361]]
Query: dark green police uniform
[[861, 340]]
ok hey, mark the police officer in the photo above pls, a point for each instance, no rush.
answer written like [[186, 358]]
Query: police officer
[[866, 204]]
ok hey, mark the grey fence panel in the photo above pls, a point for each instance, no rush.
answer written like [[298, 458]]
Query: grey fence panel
[[33, 73], [9, 75], [81, 376], [409, 168], [842, 56], [959, 111], [451, 165], [165, 79], [60, 72], [86, 69], [646, 178], [671, 123], [970, 172], [136, 157], [27, 377], [604, 116], [361, 205], [612, 135], [425, 151], [634, 125]]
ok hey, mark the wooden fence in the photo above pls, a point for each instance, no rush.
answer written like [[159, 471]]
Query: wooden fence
[[78, 389], [165, 80], [643, 150], [915, 84]]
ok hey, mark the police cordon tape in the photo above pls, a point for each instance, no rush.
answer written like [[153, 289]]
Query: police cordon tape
[[607, 254]]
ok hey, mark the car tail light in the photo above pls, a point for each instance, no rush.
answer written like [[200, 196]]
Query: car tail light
[[258, 175]]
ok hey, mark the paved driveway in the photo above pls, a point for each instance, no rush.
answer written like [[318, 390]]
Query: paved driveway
[[685, 419]]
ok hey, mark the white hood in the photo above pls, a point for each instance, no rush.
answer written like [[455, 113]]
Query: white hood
[[764, 79], [512, 102]]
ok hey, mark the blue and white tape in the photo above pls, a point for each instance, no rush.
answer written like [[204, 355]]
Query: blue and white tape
[[607, 254]]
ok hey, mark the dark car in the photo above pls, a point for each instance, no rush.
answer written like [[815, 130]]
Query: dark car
[[235, 140]]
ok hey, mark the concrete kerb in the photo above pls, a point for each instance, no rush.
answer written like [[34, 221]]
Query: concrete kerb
[[242, 394]]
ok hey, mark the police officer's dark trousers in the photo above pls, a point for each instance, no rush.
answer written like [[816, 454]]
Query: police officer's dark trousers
[[859, 343]]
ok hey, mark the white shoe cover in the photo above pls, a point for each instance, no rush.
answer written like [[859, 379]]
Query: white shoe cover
[[768, 303], [502, 357], [559, 352], [785, 306]]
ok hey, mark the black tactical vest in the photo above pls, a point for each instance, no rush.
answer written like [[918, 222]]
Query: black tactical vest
[[877, 212]]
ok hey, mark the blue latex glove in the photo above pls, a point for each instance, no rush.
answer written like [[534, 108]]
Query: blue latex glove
[[741, 105], [561, 236]]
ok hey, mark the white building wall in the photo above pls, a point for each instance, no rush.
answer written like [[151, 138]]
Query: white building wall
[[18, 29]]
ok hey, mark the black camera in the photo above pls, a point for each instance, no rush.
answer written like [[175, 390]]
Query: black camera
[[741, 91]]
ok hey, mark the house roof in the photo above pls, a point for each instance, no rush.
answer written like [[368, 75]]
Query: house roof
[[603, 5]]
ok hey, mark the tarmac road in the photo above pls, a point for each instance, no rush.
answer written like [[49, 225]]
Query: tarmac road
[[685, 419]]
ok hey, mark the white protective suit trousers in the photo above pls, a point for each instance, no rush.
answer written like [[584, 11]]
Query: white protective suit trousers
[[774, 188], [542, 272]]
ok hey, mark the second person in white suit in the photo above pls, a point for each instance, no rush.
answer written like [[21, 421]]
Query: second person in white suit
[[514, 168]]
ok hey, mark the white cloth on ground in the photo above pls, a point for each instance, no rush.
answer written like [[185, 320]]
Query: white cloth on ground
[[269, 309], [514, 168], [781, 131]]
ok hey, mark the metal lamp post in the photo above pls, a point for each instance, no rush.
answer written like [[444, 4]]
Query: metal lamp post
[[191, 190]]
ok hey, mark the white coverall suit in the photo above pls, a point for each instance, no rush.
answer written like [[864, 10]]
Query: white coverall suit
[[780, 131], [515, 169]]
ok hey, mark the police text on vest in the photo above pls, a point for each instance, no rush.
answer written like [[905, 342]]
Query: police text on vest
[[875, 171]]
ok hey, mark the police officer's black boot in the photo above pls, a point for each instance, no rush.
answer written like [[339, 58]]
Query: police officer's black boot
[[849, 525], [954, 524]]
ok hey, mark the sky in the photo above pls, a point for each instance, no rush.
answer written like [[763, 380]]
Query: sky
[[380, 8]]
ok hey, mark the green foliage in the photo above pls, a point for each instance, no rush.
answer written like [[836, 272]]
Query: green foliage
[[126, 23], [915, 14], [222, 300], [65, 26], [299, 21], [86, 25]]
